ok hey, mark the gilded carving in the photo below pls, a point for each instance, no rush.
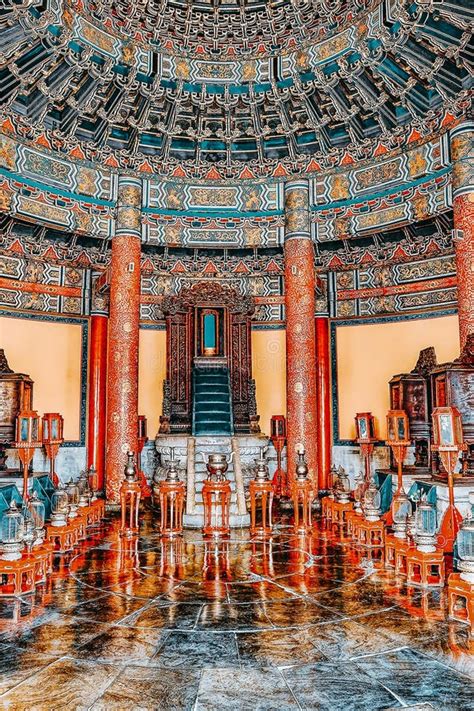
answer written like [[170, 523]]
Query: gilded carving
[[7, 152], [86, 180], [340, 187], [421, 206], [249, 71], [378, 174], [96, 37], [182, 69], [41, 164], [381, 217], [417, 163], [296, 199], [128, 218], [174, 198], [297, 221], [130, 195], [5, 198], [212, 198]]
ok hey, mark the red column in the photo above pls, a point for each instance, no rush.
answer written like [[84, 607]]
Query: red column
[[462, 138], [300, 329], [96, 395], [124, 318], [323, 393]]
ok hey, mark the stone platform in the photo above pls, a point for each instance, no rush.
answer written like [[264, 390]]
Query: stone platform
[[193, 470]]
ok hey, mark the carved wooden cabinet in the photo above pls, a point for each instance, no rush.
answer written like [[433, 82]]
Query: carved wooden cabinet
[[452, 385], [16, 394], [411, 392]]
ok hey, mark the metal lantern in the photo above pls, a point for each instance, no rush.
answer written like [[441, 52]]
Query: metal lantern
[[38, 514], [365, 427], [53, 425], [359, 491], [27, 439], [332, 482], [401, 510], [142, 439], [470, 498], [302, 496], [343, 486], [12, 532], [83, 488], [366, 437], [411, 526], [93, 482], [59, 506], [448, 442], [261, 499], [465, 546], [425, 527], [72, 491], [29, 527], [171, 494], [398, 439], [278, 438], [372, 501], [130, 493]]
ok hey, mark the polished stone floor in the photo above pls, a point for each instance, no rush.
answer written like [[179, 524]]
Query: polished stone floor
[[295, 623]]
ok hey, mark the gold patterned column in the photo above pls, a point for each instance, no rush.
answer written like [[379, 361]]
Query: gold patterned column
[[300, 329], [124, 319], [462, 153]]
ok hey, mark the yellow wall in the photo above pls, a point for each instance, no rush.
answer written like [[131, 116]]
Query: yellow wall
[[152, 372], [269, 372], [51, 354], [369, 355]]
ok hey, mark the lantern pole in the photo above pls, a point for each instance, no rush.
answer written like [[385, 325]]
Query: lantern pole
[[448, 441]]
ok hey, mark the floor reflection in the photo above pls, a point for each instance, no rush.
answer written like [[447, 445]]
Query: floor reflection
[[303, 622]]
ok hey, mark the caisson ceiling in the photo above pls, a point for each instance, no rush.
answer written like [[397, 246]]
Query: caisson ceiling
[[236, 84], [225, 28]]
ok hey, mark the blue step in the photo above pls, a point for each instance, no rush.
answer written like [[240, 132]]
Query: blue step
[[211, 406]]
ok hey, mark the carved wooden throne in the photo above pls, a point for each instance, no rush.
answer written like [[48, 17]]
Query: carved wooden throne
[[185, 354]]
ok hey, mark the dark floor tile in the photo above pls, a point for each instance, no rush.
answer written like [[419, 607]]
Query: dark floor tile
[[402, 627], [244, 690], [346, 639], [15, 608], [452, 646], [416, 678], [16, 665], [198, 650], [327, 686], [227, 616], [306, 583], [59, 636], [355, 598], [297, 612], [197, 593], [122, 645], [107, 608], [277, 648], [143, 587], [256, 590], [150, 689], [169, 616], [64, 684]]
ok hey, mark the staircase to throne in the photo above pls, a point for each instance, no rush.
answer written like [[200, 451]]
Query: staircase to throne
[[209, 395]]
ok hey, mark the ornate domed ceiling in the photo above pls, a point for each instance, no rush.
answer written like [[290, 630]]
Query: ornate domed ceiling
[[243, 85], [224, 28]]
